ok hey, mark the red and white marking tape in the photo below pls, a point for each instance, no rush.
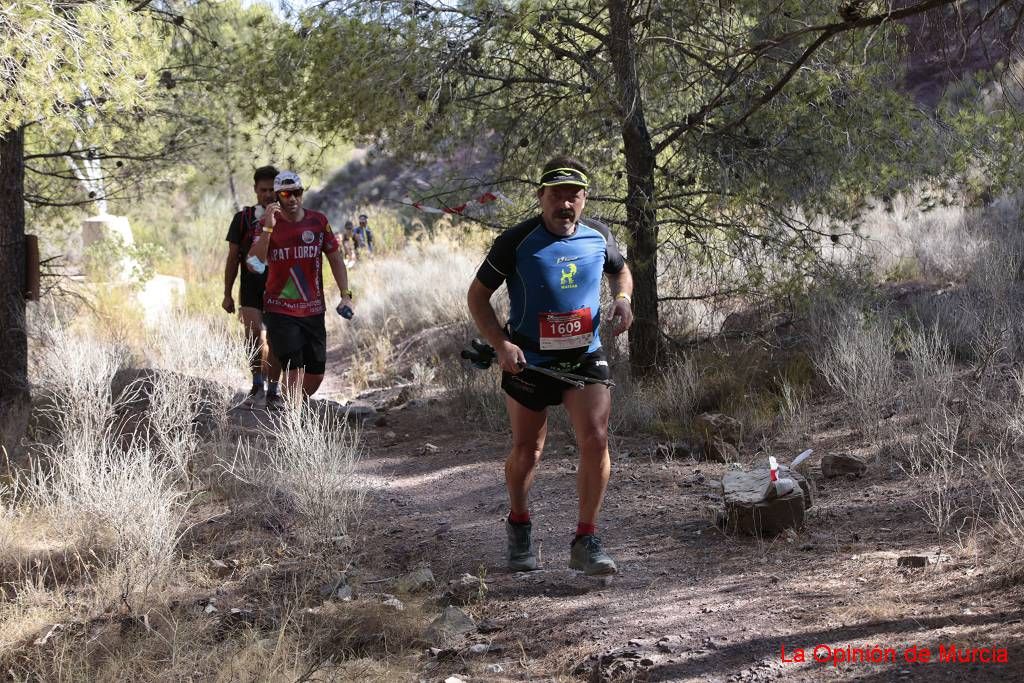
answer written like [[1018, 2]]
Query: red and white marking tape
[[466, 207]]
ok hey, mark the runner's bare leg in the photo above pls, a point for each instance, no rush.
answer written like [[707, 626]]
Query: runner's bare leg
[[252, 320], [529, 430], [589, 409]]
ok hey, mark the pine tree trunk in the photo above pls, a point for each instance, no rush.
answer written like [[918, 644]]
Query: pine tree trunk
[[13, 340], [641, 212]]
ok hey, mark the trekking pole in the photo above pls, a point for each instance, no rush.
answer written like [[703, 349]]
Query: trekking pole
[[482, 355]]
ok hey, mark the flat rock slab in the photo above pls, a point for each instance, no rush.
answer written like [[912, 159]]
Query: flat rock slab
[[420, 579], [452, 623], [711, 426], [748, 488], [840, 464], [465, 590], [748, 511]]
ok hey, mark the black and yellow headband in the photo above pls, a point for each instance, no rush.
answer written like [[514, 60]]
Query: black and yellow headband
[[564, 176]]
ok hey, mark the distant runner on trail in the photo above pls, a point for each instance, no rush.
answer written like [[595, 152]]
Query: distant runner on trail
[[244, 227], [552, 266], [292, 244], [363, 236], [347, 248]]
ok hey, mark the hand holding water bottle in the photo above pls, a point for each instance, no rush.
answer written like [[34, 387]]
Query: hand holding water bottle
[[345, 307]]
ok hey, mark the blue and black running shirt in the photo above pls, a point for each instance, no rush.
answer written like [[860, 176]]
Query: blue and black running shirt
[[554, 286]]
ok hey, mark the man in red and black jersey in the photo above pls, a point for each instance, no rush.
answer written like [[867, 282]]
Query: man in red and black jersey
[[244, 227], [293, 243]]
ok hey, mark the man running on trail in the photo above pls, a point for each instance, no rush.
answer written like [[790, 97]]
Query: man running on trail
[[244, 227], [552, 266], [292, 244]]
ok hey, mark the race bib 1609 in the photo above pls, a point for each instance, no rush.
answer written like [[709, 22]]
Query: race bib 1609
[[569, 330]]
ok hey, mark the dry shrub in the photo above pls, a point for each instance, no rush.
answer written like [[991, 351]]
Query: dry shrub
[[308, 470], [474, 395], [1000, 467], [933, 374], [854, 355], [421, 287], [662, 405], [418, 291], [122, 503], [922, 234], [338, 631], [933, 461], [125, 501]]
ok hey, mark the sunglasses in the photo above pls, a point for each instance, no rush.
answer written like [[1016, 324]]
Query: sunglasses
[[286, 194]]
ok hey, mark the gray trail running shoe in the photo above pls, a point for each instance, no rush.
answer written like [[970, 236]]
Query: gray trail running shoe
[[587, 556], [521, 555]]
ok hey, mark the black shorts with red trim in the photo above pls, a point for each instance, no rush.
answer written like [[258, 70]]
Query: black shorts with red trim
[[537, 391]]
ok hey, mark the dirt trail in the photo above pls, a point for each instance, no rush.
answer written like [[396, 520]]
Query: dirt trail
[[690, 603]]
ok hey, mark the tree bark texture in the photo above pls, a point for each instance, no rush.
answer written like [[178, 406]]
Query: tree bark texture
[[13, 340], [641, 211]]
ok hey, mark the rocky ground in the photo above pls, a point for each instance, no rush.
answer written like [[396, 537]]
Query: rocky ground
[[691, 602], [859, 593]]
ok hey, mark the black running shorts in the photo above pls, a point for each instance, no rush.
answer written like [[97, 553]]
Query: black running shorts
[[537, 391], [250, 291], [298, 342]]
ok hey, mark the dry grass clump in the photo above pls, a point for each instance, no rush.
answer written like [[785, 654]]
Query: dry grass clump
[[211, 348], [413, 294], [793, 417], [474, 394], [422, 286], [745, 380], [854, 355], [933, 374], [343, 631], [123, 502], [308, 469], [662, 405], [74, 371], [162, 644]]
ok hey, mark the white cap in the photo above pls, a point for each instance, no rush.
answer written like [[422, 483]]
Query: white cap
[[287, 180]]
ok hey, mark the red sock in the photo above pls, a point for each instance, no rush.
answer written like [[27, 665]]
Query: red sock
[[519, 518], [585, 529]]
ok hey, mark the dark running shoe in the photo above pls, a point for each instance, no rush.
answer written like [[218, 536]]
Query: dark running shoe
[[253, 396], [275, 401], [521, 556], [587, 556]]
